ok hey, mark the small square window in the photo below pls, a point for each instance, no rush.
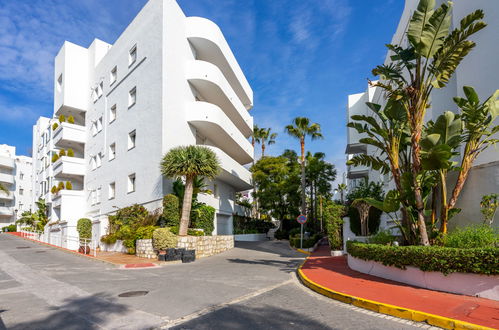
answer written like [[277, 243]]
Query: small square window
[[132, 55], [59, 83], [21, 191], [131, 183], [131, 139], [132, 97], [111, 190], [112, 151], [113, 76], [21, 176], [112, 113]]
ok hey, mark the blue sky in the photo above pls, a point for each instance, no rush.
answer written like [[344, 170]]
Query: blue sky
[[301, 57]]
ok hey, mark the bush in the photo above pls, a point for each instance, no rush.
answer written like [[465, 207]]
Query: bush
[[60, 186], [84, 228], [71, 153], [55, 157], [429, 258], [54, 190], [163, 238], [171, 210], [373, 220], [62, 152], [71, 120], [294, 241], [108, 239], [9, 229], [248, 225], [333, 218], [478, 236], [62, 118], [383, 237], [203, 217], [54, 126], [145, 232], [69, 186], [281, 234], [190, 231]]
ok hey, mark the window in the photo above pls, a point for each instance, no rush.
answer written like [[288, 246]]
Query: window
[[98, 195], [99, 124], [21, 176], [132, 97], [59, 83], [111, 190], [98, 161], [131, 183], [21, 191], [132, 55], [112, 113], [113, 76], [112, 151], [131, 140]]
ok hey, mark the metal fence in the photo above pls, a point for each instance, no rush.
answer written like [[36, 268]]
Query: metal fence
[[82, 245]]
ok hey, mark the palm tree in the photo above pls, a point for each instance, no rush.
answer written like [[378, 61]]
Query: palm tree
[[300, 129], [189, 162], [266, 138], [256, 137], [341, 188]]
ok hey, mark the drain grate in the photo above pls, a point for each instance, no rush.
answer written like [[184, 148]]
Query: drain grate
[[133, 294], [23, 247]]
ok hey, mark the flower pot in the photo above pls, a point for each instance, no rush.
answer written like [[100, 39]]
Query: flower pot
[[84, 249]]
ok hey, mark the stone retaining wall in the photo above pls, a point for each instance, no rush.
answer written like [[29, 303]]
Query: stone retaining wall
[[144, 249], [206, 245]]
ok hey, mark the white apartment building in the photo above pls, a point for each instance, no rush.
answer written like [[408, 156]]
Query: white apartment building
[[168, 80], [15, 175], [479, 70]]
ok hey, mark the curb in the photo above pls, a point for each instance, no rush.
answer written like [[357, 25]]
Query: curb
[[400, 312]]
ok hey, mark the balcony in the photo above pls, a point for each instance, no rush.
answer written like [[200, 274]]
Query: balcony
[[6, 162], [214, 88], [69, 167], [6, 211], [355, 172], [6, 178], [69, 136], [212, 123], [68, 196], [8, 197], [211, 46], [232, 172]]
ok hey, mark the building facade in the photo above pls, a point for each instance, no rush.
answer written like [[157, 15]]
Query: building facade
[[15, 176], [168, 80], [479, 70]]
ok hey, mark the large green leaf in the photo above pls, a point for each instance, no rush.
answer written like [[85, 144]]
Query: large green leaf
[[435, 31], [418, 21], [373, 162], [437, 158]]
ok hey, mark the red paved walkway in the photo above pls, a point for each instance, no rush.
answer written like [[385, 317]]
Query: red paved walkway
[[334, 273]]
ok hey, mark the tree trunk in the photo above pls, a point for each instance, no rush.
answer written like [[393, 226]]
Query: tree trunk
[[418, 194], [263, 149], [303, 197], [186, 206], [444, 212]]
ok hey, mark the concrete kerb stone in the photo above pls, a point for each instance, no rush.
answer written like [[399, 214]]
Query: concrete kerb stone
[[397, 311]]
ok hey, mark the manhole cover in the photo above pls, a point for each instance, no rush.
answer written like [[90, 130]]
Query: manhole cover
[[23, 247], [133, 294]]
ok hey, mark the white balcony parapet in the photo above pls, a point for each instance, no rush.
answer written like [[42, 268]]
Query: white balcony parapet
[[63, 195], [232, 172], [69, 167], [214, 88], [6, 178], [67, 134], [6, 162], [354, 172], [211, 46], [5, 196], [6, 211], [214, 124]]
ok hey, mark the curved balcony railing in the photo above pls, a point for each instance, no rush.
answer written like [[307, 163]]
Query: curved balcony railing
[[232, 172]]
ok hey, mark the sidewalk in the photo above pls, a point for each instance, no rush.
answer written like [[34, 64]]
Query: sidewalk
[[332, 277]]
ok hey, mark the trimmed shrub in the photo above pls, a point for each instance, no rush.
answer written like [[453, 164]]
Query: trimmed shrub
[[383, 237], [9, 229], [71, 120], [373, 222], [248, 225], [190, 231], [429, 258], [71, 153], [55, 157], [69, 186], [171, 210], [54, 126], [62, 118], [478, 236], [203, 217], [108, 239], [294, 241], [54, 190], [60, 186], [163, 238], [62, 152], [333, 220], [145, 232], [84, 228]]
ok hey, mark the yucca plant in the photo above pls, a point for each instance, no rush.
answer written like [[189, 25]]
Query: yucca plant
[[189, 162]]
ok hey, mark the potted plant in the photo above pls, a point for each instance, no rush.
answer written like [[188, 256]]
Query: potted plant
[[165, 242], [84, 228]]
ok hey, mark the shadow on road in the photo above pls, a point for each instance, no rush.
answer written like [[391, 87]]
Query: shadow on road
[[280, 248], [77, 313], [286, 266]]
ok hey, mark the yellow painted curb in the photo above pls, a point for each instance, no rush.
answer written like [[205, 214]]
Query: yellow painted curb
[[401, 312], [303, 251]]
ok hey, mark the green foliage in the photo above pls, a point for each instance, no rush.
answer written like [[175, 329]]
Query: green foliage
[[108, 239], [171, 210], [62, 118], [190, 161], [62, 152], [203, 217], [374, 220], [429, 258], [69, 185], [60, 186], [55, 157], [71, 153], [281, 234], [9, 229], [370, 190], [383, 237], [333, 220], [477, 236], [71, 120], [489, 205], [294, 241], [54, 190], [145, 232], [190, 231], [163, 238], [54, 126], [84, 228], [248, 225]]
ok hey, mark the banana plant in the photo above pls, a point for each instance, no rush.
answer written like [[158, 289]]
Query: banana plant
[[432, 56]]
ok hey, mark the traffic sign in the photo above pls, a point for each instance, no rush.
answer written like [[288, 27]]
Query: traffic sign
[[301, 219]]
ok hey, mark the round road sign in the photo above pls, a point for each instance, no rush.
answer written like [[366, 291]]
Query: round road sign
[[301, 219]]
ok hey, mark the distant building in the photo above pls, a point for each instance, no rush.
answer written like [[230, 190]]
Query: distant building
[[480, 70], [168, 80], [15, 175]]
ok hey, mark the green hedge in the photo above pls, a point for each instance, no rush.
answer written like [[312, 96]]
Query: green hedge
[[203, 217], [248, 225], [171, 210], [84, 228], [429, 258], [9, 228], [294, 241]]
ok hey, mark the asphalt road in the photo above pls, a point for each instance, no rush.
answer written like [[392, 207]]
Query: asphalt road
[[253, 286]]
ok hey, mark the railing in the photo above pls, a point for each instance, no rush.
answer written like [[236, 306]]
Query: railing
[[57, 239]]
